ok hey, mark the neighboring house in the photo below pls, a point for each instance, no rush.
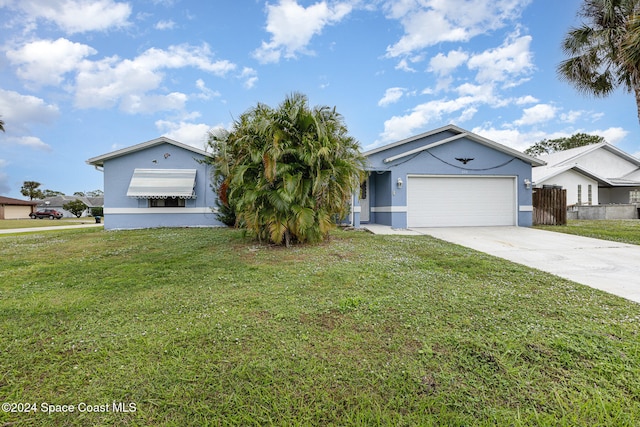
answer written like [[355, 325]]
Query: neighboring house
[[592, 174], [56, 202], [158, 183], [15, 208], [446, 177]]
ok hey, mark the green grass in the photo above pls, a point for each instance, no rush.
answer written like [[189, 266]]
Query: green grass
[[624, 230], [7, 224], [202, 327]]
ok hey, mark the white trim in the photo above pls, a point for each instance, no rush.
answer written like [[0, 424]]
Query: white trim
[[425, 147], [99, 160], [357, 209], [470, 135], [389, 209], [147, 211], [526, 208], [426, 175]]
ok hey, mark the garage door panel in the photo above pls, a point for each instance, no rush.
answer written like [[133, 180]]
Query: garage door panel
[[460, 201], [17, 212]]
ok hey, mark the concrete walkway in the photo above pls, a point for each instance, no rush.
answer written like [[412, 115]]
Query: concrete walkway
[[53, 227], [609, 266]]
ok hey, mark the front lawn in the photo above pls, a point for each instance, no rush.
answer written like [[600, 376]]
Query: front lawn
[[202, 327], [623, 230]]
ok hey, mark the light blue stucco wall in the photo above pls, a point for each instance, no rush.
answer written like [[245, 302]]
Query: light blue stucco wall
[[122, 212], [388, 200]]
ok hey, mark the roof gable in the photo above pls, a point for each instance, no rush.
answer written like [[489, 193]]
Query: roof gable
[[574, 155], [450, 133], [604, 162], [545, 173], [99, 160], [11, 201]]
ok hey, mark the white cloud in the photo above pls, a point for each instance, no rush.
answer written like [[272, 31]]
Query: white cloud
[[45, 62], [612, 135], [513, 138], [537, 114], [165, 25], [427, 23], [403, 65], [399, 127], [250, 77], [519, 140], [391, 95], [426, 28], [527, 99], [19, 113], [293, 26], [20, 110], [572, 116], [29, 142], [112, 81], [76, 16], [466, 115], [482, 93], [445, 64], [147, 104], [194, 134], [503, 63], [184, 55], [205, 92]]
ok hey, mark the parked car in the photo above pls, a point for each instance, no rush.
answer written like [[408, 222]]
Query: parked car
[[46, 213]]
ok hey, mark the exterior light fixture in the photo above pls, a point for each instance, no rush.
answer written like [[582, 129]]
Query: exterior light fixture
[[399, 183], [527, 183]]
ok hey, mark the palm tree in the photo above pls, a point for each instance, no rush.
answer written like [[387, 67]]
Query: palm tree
[[2, 125], [604, 53], [288, 172]]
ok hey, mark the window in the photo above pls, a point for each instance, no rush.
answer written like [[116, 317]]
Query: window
[[169, 202], [589, 195], [579, 194]]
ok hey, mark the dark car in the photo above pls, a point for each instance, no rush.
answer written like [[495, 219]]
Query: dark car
[[46, 213]]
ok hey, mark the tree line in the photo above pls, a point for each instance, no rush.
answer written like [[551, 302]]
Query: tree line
[[31, 189]]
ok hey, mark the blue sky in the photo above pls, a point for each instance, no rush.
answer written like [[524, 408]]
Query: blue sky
[[80, 78]]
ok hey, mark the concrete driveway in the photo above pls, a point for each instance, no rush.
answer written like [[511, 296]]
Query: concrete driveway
[[610, 266]]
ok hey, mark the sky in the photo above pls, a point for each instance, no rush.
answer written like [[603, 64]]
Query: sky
[[81, 78]]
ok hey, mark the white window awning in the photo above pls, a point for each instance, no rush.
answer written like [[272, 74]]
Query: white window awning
[[162, 183]]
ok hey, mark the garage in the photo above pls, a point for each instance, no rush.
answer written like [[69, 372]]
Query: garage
[[448, 177], [461, 201], [15, 208]]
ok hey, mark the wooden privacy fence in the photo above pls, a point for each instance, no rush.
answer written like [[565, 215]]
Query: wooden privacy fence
[[549, 206]]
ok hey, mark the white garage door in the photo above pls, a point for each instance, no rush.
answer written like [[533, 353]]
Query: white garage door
[[17, 212], [460, 201]]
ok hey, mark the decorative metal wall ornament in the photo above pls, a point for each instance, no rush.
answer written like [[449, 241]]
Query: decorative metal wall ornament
[[464, 160]]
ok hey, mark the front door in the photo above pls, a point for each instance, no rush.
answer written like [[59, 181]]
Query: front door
[[364, 201]]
